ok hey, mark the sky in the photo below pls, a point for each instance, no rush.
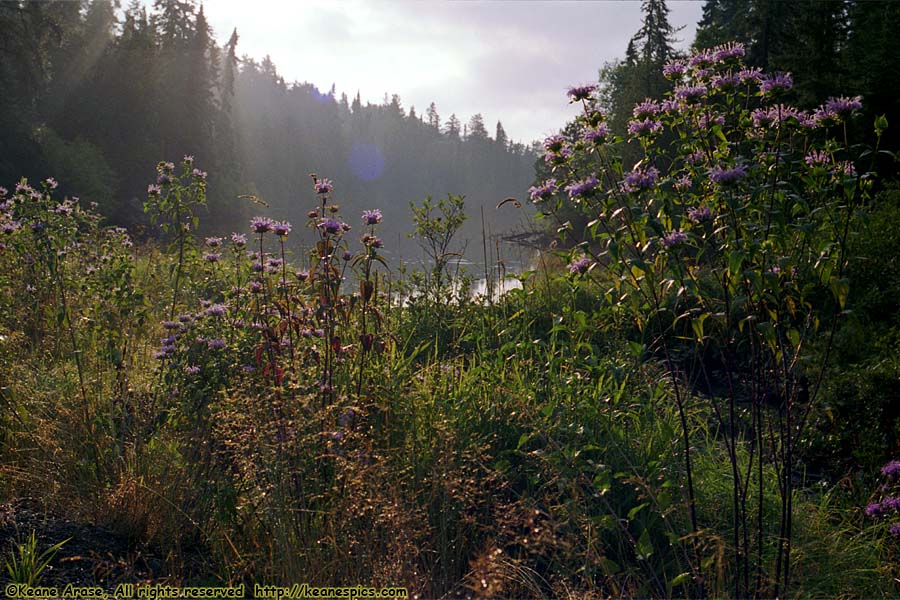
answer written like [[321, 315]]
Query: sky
[[508, 60]]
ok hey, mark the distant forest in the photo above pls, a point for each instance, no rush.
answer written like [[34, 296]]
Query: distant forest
[[95, 96]]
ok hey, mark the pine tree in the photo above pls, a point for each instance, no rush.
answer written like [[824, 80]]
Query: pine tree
[[453, 127], [476, 128], [500, 137], [433, 119], [639, 76], [654, 41]]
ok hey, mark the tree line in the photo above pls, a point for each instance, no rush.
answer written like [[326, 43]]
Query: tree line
[[831, 47], [95, 95]]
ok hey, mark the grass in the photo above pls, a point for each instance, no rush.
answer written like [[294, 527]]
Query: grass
[[519, 449]]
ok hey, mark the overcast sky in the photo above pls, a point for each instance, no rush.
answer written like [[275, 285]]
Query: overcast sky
[[507, 60]]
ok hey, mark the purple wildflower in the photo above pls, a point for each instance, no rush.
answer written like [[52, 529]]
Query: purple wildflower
[[153, 190], [371, 217], [581, 92], [238, 239], [645, 127], [891, 503], [261, 224], [543, 191], [580, 188], [217, 310], [751, 75], [683, 183], [843, 105], [580, 266], [703, 58], [707, 121], [728, 176], [895, 529], [323, 186], [761, 117], [674, 238], [640, 179], [331, 226], [891, 470], [3, 191], [690, 92], [817, 158], [281, 228], [171, 325], [51, 183], [554, 143], [191, 369], [695, 157], [347, 255], [378, 243], [725, 82], [728, 51], [597, 135], [10, 227], [215, 344], [674, 69], [212, 257], [699, 214], [874, 510], [558, 157], [188, 158], [213, 242], [775, 83], [809, 121], [198, 174], [647, 108], [255, 287], [302, 275], [844, 168], [257, 267]]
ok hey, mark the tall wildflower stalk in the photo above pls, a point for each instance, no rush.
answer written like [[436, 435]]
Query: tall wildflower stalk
[[726, 244]]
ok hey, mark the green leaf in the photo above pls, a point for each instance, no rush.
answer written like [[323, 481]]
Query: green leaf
[[841, 289], [644, 548], [610, 567], [634, 511], [735, 260]]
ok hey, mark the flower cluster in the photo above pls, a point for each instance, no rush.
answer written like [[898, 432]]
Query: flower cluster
[[726, 176], [580, 266], [543, 191], [583, 187], [640, 179], [889, 505], [581, 92]]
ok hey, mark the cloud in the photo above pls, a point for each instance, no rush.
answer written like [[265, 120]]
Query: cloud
[[507, 60]]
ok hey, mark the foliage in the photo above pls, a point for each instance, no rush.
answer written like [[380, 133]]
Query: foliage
[[25, 565], [729, 256]]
